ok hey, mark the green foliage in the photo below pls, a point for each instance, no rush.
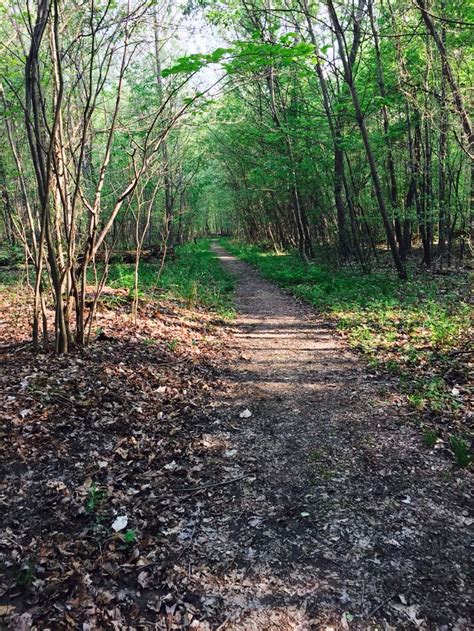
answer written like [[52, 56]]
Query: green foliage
[[26, 575], [461, 451], [195, 62], [195, 278], [129, 537], [409, 329], [173, 345], [430, 438], [10, 255], [315, 455], [96, 497]]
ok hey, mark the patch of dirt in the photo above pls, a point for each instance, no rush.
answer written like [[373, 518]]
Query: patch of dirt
[[348, 519], [268, 482]]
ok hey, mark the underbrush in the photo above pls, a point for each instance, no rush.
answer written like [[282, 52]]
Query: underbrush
[[418, 330], [194, 277], [11, 262]]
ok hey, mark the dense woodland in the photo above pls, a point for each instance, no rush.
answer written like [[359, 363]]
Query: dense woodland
[[335, 129], [235, 316]]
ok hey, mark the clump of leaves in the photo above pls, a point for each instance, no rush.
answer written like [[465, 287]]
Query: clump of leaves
[[95, 498], [430, 437], [129, 537], [173, 345], [461, 451]]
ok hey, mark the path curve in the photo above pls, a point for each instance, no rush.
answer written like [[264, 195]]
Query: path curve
[[341, 523]]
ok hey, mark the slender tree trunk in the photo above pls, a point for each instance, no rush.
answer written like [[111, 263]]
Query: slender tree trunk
[[168, 184], [457, 96], [335, 128], [392, 179], [368, 149], [442, 149]]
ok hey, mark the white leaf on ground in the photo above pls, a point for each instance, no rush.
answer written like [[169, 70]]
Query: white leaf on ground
[[410, 612], [120, 523], [250, 553], [171, 466], [455, 391], [245, 413], [304, 514], [142, 579]]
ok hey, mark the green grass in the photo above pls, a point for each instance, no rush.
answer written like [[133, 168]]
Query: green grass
[[410, 329], [194, 277]]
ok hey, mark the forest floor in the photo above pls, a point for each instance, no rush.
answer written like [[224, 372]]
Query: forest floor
[[189, 473]]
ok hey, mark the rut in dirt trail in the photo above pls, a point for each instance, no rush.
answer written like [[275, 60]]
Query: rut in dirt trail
[[345, 519]]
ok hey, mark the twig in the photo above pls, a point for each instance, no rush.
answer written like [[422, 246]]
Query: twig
[[16, 346], [221, 626], [213, 485], [462, 352], [379, 606]]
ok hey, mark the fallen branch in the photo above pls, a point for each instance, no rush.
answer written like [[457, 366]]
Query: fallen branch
[[463, 352], [16, 346], [379, 606]]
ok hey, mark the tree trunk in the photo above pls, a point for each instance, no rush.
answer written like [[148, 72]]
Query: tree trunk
[[368, 149], [442, 149], [457, 97]]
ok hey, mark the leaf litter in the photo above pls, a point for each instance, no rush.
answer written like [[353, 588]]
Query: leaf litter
[[322, 512]]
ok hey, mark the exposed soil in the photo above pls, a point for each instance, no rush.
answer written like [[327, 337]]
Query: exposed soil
[[272, 482], [347, 519]]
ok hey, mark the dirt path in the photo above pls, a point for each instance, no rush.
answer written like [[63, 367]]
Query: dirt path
[[319, 508], [345, 520]]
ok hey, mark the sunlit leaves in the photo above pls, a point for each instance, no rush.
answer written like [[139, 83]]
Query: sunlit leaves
[[193, 63]]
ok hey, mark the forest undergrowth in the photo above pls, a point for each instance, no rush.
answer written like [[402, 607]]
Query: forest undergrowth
[[90, 477], [419, 330], [194, 278], [99, 444]]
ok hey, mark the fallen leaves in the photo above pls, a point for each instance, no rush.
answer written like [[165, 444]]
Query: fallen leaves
[[94, 444], [227, 525]]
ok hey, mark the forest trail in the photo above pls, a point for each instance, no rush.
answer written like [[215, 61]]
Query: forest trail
[[343, 520]]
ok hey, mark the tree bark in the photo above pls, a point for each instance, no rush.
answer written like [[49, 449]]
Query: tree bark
[[348, 76], [457, 96]]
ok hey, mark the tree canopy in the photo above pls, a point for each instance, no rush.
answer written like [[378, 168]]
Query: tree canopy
[[326, 127]]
